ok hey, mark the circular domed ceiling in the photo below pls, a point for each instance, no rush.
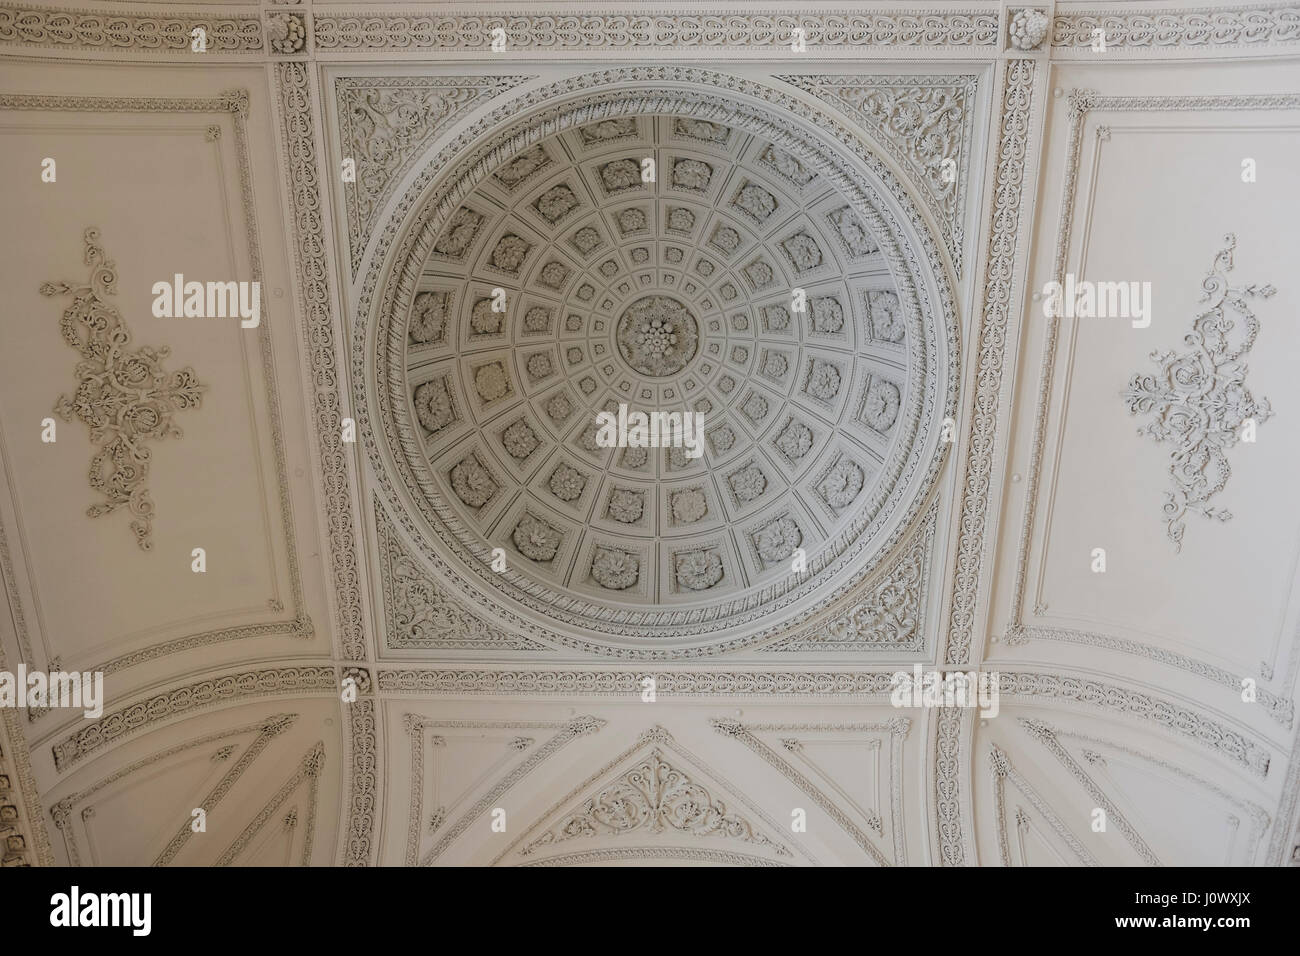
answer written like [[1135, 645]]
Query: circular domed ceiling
[[662, 262]]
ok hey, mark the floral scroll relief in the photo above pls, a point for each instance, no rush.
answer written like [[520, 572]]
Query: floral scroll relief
[[1200, 398], [124, 395], [385, 122], [654, 797]]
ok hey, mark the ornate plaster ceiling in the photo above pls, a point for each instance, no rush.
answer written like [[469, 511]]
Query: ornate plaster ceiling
[[645, 257], [653, 678]]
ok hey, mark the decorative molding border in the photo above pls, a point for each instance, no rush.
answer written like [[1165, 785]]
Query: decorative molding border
[[856, 685], [947, 788], [1263, 25], [560, 32], [133, 718], [1279, 708], [567, 32], [635, 853], [1007, 214], [1173, 717], [363, 782], [22, 831], [113, 31], [303, 188]]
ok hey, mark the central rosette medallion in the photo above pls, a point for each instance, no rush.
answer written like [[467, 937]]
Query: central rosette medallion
[[658, 336]]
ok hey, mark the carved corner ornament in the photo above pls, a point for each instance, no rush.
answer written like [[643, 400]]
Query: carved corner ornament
[[124, 395], [1199, 397], [1027, 28], [286, 32]]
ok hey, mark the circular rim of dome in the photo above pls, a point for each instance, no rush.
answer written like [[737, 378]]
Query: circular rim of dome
[[387, 295]]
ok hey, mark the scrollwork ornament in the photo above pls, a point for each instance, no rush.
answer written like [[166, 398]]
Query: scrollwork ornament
[[1240, 26], [925, 122], [654, 797], [383, 124], [42, 26], [124, 395], [1200, 399], [613, 32]]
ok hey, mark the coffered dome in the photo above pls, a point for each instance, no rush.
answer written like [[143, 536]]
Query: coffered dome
[[664, 262]]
